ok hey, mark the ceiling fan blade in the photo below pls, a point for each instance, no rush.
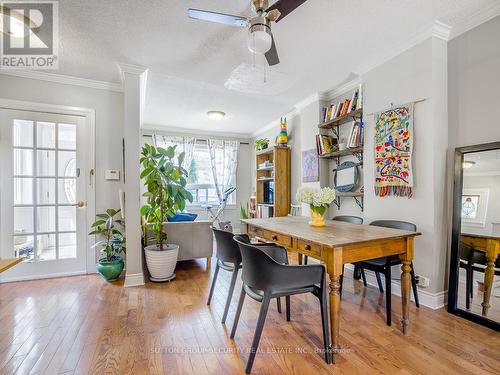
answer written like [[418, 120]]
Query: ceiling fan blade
[[285, 7], [272, 54], [226, 19]]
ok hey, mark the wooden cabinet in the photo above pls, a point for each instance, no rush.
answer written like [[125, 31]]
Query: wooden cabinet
[[273, 172]]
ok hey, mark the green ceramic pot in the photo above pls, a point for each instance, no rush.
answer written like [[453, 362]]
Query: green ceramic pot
[[111, 270]]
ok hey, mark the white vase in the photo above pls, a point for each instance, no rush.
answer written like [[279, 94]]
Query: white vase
[[161, 264]]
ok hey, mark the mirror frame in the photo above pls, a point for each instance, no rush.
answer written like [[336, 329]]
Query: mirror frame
[[455, 236]]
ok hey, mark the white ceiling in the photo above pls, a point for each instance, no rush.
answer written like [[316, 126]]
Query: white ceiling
[[189, 61], [486, 163]]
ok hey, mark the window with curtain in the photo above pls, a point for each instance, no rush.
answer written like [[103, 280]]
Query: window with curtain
[[211, 165]]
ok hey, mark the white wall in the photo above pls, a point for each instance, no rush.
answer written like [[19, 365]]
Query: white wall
[[418, 73]]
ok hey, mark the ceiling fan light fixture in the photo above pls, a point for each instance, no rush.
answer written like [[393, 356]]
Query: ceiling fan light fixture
[[259, 39], [216, 115], [467, 164]]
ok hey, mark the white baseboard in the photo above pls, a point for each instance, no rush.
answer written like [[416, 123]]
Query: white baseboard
[[4, 279], [134, 279], [432, 300]]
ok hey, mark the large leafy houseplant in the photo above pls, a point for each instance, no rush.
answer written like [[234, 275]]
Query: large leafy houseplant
[[111, 241], [166, 181]]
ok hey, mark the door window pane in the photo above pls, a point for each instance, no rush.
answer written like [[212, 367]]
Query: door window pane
[[67, 136], [23, 191], [67, 164], [23, 247], [67, 218], [67, 191], [67, 245], [46, 190], [23, 133], [46, 135], [46, 246], [23, 162], [46, 163], [46, 219], [23, 220]]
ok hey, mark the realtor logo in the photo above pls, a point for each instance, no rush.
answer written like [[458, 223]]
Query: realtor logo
[[29, 34]]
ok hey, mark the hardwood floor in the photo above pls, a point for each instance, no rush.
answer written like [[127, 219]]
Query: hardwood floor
[[83, 325]]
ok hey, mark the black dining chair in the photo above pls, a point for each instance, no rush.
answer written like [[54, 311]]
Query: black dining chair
[[472, 260], [229, 259], [345, 219], [383, 265], [265, 277]]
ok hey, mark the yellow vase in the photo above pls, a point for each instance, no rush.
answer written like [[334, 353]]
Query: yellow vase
[[317, 219]]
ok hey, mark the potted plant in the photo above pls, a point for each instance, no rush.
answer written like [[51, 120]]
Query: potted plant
[[112, 243], [318, 201], [165, 180], [261, 144]]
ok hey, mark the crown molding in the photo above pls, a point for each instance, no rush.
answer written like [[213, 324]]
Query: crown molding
[[307, 101], [130, 69], [476, 19], [342, 89], [275, 123], [63, 79], [441, 30]]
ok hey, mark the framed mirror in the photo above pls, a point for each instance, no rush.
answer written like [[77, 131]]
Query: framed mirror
[[474, 283], [346, 177]]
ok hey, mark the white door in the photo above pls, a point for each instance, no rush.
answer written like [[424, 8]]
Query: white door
[[43, 193]]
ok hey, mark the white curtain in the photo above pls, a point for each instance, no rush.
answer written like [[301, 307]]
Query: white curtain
[[224, 161], [184, 144]]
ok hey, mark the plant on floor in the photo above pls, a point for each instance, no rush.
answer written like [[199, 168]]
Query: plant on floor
[[166, 181], [261, 144], [111, 242]]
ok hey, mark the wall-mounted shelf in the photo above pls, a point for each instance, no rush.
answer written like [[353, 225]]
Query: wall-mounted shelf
[[357, 195], [356, 151], [354, 115]]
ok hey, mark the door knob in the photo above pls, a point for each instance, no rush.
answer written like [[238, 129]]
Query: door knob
[[80, 204]]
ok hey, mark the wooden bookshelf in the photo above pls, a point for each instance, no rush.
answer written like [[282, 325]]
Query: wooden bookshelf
[[280, 174]]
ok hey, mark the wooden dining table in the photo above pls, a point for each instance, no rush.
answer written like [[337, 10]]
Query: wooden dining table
[[490, 246], [336, 244]]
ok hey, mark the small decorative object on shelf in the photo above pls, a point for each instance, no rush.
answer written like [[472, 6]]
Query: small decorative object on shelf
[[318, 201], [261, 144], [282, 138]]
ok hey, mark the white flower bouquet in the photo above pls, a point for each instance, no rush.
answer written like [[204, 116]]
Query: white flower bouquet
[[318, 200]]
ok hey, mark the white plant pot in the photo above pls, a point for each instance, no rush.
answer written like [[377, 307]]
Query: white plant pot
[[161, 264]]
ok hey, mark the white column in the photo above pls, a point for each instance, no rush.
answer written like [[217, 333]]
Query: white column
[[134, 79]]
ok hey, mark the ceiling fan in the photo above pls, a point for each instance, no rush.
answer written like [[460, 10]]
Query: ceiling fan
[[260, 38]]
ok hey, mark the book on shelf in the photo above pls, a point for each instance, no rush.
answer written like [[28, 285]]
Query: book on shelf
[[344, 107], [326, 144], [355, 138]]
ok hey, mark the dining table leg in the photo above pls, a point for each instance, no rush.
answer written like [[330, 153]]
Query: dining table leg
[[406, 259], [492, 250], [334, 269]]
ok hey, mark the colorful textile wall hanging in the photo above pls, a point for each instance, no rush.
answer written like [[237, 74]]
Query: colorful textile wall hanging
[[393, 152]]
